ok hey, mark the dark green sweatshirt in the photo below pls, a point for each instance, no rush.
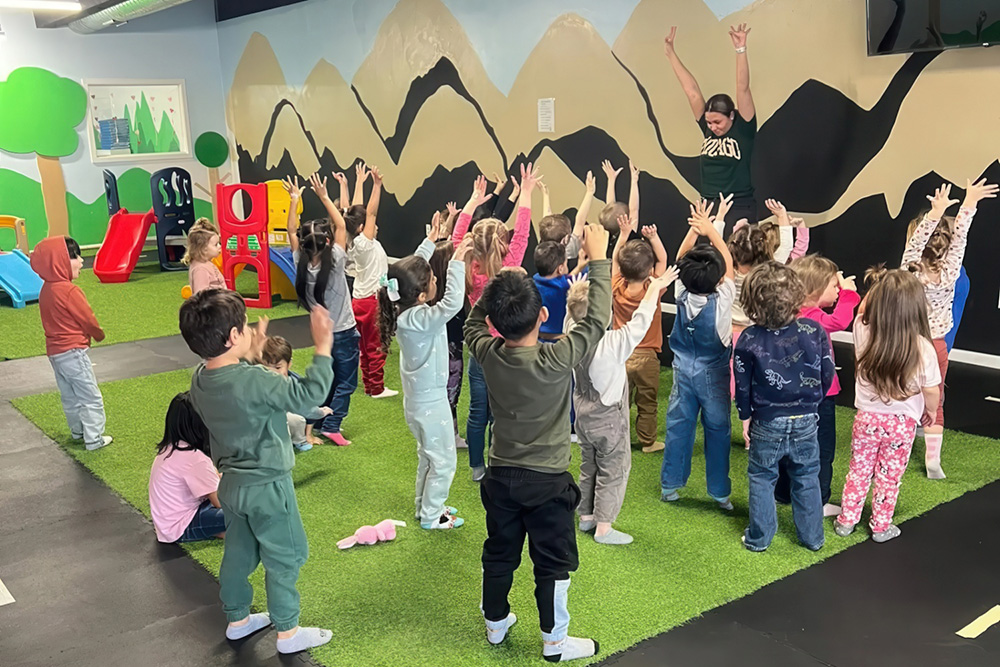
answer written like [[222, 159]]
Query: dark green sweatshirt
[[529, 387], [244, 408]]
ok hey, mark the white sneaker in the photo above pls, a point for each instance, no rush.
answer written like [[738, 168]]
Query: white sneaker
[[831, 510], [386, 393], [574, 438], [105, 441]]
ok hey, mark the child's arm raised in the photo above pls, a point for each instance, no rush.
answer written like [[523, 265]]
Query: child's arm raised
[[843, 311], [612, 175], [299, 397], [522, 224], [426, 248], [801, 246], [339, 227], [505, 206], [623, 341], [291, 185], [345, 193], [371, 212], [651, 235], [701, 223], [784, 249], [436, 317], [633, 194], [362, 174], [625, 228], [941, 201], [584, 210], [688, 83], [478, 197], [974, 193], [546, 201]]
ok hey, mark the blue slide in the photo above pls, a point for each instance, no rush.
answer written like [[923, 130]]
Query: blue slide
[[17, 278], [282, 258]]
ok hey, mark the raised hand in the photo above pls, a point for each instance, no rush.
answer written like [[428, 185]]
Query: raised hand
[[591, 183], [633, 171], [544, 188], [319, 186], [610, 171], [479, 195], [779, 211], [976, 192], [848, 283], [376, 176], [529, 177], [595, 242], [291, 185], [725, 203], [434, 229], [499, 183], [661, 283], [463, 249], [648, 231], [625, 225], [361, 172], [941, 201], [700, 220], [452, 208], [739, 35], [517, 189], [668, 43], [340, 178], [797, 222]]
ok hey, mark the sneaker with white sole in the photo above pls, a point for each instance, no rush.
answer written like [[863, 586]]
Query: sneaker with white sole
[[444, 522], [496, 631], [386, 393], [105, 441], [478, 473]]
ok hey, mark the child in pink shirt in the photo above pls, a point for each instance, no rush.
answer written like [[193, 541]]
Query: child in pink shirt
[[826, 287], [204, 245], [183, 483]]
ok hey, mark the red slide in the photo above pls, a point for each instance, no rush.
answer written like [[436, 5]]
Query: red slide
[[122, 245]]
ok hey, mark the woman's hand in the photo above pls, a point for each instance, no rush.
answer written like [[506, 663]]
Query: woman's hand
[[668, 43], [739, 35]]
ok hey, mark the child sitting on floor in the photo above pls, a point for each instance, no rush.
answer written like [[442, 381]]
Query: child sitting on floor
[[896, 388], [277, 355], [405, 312], [602, 412], [701, 342], [183, 484], [244, 408], [69, 325], [527, 489], [783, 370], [203, 246]]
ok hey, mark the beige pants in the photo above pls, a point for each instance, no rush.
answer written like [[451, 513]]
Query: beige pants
[[643, 369]]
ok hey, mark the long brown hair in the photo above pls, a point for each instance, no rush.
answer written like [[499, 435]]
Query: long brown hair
[[413, 277], [749, 246], [937, 245], [896, 317], [489, 248]]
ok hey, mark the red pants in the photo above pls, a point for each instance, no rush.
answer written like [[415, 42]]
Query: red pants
[[372, 358]]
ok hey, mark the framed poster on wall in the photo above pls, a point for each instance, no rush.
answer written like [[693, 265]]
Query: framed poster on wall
[[137, 120]]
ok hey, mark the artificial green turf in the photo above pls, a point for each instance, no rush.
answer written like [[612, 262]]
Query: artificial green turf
[[144, 307], [415, 601]]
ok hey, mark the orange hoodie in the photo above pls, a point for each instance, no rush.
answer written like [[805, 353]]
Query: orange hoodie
[[68, 321]]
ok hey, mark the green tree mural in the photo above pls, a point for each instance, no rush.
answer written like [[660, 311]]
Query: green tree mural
[[166, 138], [39, 113]]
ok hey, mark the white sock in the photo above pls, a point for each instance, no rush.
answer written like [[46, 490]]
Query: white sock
[[303, 639], [932, 455], [256, 622], [496, 631], [570, 648]]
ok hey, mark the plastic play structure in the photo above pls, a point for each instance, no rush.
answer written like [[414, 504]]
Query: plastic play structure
[[172, 213], [20, 235], [17, 278], [245, 242]]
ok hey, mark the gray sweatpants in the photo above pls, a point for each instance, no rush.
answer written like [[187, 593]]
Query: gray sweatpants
[[81, 398], [607, 454]]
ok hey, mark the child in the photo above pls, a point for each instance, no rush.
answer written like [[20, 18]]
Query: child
[[937, 245], [183, 484], [320, 254], [634, 265], [779, 233], [896, 388], [203, 246], [614, 209], [370, 264], [701, 342], [69, 324], [276, 354], [527, 489], [602, 414], [557, 227], [552, 281], [404, 312], [244, 408], [783, 370], [443, 252], [825, 288], [491, 252]]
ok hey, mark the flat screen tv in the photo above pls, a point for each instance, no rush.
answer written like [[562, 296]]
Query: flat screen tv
[[905, 26]]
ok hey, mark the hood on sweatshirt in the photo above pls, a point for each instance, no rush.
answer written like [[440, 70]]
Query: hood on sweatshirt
[[50, 260]]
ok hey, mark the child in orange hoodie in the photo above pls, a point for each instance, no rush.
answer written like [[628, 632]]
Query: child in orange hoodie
[[69, 325]]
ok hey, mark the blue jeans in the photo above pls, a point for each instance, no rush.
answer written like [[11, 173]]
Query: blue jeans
[[206, 524], [707, 392], [480, 416], [345, 378], [792, 440], [827, 436]]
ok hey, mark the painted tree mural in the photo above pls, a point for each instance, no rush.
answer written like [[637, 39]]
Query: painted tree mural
[[39, 113]]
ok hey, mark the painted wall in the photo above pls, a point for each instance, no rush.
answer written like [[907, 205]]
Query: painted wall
[[435, 91], [181, 43]]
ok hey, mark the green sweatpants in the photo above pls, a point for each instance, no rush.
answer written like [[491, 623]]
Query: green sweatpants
[[262, 526]]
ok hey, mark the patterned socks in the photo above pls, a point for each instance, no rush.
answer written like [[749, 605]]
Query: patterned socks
[[932, 455]]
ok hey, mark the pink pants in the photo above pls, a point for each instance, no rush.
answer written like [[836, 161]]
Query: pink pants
[[880, 448]]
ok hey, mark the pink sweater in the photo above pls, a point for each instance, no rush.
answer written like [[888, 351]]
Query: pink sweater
[[838, 320], [515, 250]]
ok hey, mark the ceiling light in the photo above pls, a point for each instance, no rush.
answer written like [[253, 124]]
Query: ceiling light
[[42, 5]]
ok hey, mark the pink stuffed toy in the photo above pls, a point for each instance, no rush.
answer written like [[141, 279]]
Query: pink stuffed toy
[[383, 532]]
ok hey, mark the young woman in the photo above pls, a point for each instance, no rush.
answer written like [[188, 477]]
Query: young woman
[[729, 130]]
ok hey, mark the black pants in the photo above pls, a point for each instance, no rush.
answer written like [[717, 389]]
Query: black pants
[[827, 437], [523, 502]]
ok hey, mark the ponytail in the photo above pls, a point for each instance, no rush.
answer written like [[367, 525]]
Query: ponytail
[[489, 246], [413, 277], [315, 242], [749, 246]]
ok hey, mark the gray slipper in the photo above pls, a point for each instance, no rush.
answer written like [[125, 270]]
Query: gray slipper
[[587, 526], [613, 537], [889, 533]]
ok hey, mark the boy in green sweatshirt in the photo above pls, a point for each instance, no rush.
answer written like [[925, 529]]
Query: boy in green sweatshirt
[[244, 407], [527, 490]]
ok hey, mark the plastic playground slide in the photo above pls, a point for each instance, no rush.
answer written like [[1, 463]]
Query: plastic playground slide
[[17, 278], [122, 246]]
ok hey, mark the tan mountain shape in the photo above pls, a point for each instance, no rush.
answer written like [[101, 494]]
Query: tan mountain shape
[[410, 41], [258, 85], [288, 136]]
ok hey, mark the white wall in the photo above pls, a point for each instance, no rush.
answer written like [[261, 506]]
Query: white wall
[[179, 43]]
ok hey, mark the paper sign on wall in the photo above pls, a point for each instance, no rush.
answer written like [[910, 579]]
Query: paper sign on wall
[[547, 114]]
